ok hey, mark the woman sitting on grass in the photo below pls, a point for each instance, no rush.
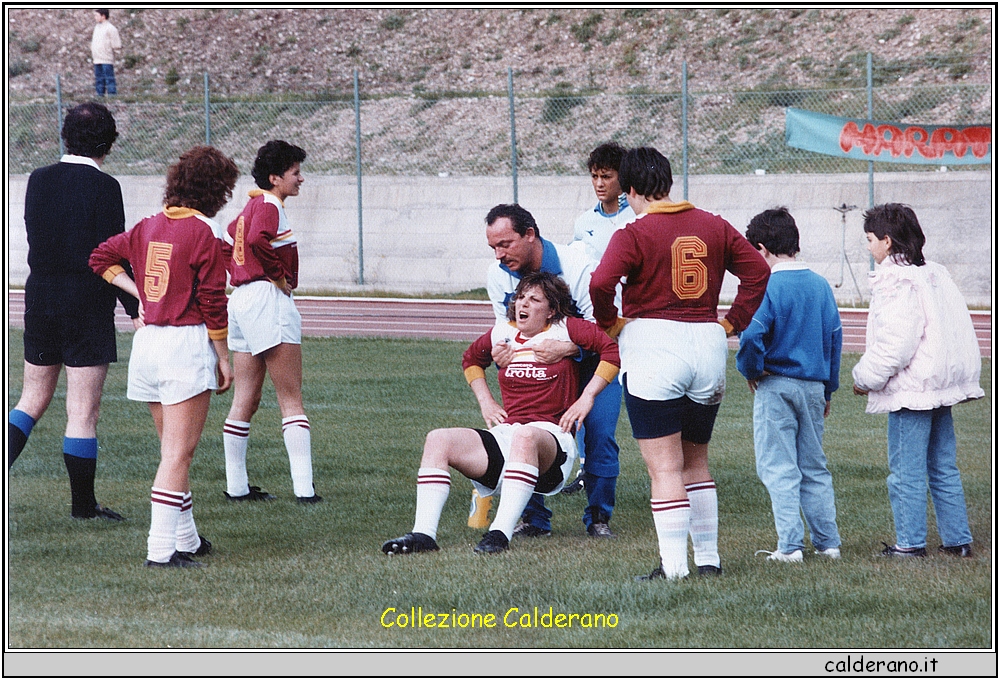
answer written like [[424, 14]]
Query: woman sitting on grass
[[529, 447], [177, 258]]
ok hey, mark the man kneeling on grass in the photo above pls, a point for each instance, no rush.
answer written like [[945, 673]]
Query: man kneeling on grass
[[529, 447]]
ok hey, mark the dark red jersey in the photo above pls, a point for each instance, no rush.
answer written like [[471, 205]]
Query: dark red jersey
[[260, 246]]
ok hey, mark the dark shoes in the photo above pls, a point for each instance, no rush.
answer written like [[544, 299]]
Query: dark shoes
[[653, 575], [893, 551], [101, 513], [410, 543], [493, 542], [709, 570], [309, 500], [178, 560], [255, 494], [600, 530], [204, 548], [526, 530], [957, 550], [574, 486]]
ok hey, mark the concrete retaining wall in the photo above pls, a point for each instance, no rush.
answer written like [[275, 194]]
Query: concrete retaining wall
[[426, 234]]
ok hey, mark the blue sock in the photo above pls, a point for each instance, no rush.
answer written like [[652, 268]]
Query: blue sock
[[80, 448], [19, 426], [21, 421], [80, 456]]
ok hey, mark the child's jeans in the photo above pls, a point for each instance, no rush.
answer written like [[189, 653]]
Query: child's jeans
[[922, 449], [788, 441]]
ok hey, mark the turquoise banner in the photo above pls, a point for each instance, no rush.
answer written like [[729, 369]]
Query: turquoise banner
[[869, 140]]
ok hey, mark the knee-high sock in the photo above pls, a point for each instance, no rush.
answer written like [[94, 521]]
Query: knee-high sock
[[165, 514], [297, 441], [235, 435], [672, 520], [433, 486], [519, 480], [19, 426], [80, 456], [187, 532], [704, 522]]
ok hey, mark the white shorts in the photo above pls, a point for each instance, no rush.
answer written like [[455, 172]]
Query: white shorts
[[262, 317], [170, 364], [504, 433], [672, 359]]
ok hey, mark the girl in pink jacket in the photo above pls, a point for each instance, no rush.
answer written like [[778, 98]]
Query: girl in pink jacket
[[921, 357]]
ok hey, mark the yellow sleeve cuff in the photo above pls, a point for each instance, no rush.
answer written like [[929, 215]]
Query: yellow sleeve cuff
[[616, 328], [220, 334], [607, 371], [730, 331], [280, 283], [111, 272], [474, 373]]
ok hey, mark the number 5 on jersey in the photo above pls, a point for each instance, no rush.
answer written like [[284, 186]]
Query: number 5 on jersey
[[157, 275]]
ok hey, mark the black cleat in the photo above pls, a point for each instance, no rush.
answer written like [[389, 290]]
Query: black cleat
[[525, 530], [308, 500], [410, 543], [101, 513], [600, 530], [255, 494], [178, 560], [709, 570], [893, 551], [653, 575], [964, 550], [574, 486], [204, 548], [493, 542]]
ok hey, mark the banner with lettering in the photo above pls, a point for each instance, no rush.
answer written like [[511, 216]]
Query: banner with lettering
[[870, 140]]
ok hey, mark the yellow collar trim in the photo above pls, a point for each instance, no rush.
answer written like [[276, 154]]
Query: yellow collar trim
[[254, 193], [175, 212], [661, 207]]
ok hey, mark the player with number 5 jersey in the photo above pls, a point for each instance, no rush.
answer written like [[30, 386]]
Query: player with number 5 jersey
[[673, 258]]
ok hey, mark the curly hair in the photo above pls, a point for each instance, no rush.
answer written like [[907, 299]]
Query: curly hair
[[553, 288], [775, 230], [89, 130], [647, 171], [900, 223], [202, 179], [607, 157], [275, 158]]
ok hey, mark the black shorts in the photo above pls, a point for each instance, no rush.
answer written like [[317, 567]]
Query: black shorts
[[77, 337], [655, 419], [547, 480]]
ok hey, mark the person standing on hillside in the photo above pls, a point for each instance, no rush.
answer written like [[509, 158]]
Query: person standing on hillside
[[103, 45], [70, 208]]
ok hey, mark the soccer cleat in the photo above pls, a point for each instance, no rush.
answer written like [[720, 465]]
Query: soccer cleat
[[601, 530], [964, 550], [102, 513], [574, 486], [778, 556], [893, 551], [178, 560], [709, 570], [255, 494], [493, 542], [830, 553], [526, 530], [410, 543], [308, 500], [204, 548]]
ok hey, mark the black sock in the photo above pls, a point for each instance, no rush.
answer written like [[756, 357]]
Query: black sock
[[81, 483], [16, 439]]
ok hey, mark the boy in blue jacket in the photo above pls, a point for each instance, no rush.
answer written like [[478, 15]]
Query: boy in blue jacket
[[790, 356]]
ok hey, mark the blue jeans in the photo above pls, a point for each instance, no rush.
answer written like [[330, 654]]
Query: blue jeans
[[104, 79], [922, 449], [788, 442], [601, 467]]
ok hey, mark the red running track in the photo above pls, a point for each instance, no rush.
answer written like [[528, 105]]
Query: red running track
[[460, 320]]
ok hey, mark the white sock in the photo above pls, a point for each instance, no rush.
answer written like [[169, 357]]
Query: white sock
[[519, 480], [298, 444], [165, 511], [672, 520], [433, 486], [704, 523], [187, 532], [235, 434]]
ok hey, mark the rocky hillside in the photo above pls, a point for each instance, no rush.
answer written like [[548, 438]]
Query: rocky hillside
[[439, 51]]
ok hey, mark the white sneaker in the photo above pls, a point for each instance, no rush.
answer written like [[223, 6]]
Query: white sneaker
[[831, 553], [778, 556]]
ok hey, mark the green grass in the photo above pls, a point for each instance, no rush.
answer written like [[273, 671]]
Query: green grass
[[289, 576]]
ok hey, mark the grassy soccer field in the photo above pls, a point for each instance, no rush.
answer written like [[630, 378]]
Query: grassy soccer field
[[289, 576]]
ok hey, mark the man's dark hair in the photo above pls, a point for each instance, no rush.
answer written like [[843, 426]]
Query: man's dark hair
[[275, 158], [647, 171], [606, 156], [202, 179], [775, 230], [104, 13], [520, 218], [89, 130], [552, 287], [899, 223]]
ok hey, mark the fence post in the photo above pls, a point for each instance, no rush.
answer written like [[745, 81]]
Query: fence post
[[513, 130], [871, 164], [208, 119], [684, 122], [357, 142], [59, 116]]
